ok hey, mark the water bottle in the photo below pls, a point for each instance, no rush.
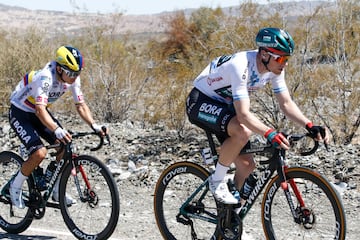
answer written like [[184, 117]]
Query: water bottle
[[49, 171], [248, 186], [40, 178]]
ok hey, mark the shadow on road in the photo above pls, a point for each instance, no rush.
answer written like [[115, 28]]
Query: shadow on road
[[23, 237]]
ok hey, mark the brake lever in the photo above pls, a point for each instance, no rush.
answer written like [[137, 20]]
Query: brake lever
[[104, 129], [323, 134]]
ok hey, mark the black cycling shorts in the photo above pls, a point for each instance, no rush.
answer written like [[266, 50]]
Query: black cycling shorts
[[211, 115], [29, 129]]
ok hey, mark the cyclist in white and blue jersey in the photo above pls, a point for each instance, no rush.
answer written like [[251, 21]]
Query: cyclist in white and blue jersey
[[220, 103], [30, 118]]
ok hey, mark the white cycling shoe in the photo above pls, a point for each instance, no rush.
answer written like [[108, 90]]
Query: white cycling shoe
[[69, 200], [16, 196], [221, 192]]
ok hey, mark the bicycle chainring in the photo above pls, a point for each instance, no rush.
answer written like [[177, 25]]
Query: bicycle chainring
[[229, 225], [37, 204]]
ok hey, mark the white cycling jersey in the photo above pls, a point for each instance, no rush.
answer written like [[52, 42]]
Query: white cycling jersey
[[42, 87], [234, 77]]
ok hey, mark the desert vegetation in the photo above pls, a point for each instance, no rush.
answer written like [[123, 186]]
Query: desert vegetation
[[146, 78]]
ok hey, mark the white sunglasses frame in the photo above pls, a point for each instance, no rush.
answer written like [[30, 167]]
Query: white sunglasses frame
[[275, 56], [70, 74]]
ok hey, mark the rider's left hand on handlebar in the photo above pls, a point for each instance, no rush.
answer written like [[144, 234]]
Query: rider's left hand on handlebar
[[99, 129], [278, 140], [317, 132]]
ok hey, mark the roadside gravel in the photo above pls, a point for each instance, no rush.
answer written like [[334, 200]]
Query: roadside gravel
[[137, 156]]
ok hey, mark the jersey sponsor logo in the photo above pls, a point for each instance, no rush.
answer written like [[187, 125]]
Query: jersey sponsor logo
[[209, 113], [210, 81], [223, 121], [207, 117], [20, 130], [225, 93], [55, 94], [210, 109], [41, 100], [80, 98]]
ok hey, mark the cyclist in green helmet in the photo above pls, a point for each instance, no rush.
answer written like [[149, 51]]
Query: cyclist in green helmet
[[220, 103]]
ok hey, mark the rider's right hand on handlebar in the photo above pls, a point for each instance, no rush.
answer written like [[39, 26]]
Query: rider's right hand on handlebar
[[63, 135], [277, 139]]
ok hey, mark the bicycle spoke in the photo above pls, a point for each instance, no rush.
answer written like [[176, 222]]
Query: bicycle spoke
[[317, 219], [96, 210], [14, 220], [196, 220]]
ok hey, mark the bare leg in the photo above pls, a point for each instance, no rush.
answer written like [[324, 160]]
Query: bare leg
[[230, 149], [33, 161], [26, 169], [245, 165]]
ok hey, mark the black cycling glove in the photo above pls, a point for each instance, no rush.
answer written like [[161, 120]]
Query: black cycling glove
[[315, 130]]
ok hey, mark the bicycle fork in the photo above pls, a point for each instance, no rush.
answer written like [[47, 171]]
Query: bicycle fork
[[90, 195], [301, 214]]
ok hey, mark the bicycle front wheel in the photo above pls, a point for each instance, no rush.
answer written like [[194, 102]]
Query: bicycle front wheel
[[96, 211], [12, 219], [321, 216], [180, 211]]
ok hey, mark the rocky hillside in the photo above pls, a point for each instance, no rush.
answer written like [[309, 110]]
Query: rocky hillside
[[17, 18]]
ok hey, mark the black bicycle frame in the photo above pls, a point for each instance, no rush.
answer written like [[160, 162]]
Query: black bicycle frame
[[275, 164]]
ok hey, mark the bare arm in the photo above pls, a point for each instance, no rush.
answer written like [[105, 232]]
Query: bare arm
[[290, 109], [85, 113], [45, 118], [244, 116]]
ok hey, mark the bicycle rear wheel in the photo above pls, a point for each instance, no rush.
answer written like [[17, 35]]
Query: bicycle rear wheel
[[323, 216], [96, 212], [173, 189], [12, 219]]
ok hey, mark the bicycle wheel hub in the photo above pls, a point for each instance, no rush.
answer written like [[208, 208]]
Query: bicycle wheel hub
[[306, 217]]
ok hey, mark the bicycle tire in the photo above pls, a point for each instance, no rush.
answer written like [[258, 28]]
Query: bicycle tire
[[173, 188], [13, 220], [90, 218], [326, 216]]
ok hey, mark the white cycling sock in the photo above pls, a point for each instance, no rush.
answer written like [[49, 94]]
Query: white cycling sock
[[19, 180], [220, 172]]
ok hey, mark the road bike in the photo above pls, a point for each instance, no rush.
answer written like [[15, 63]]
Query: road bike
[[82, 177], [297, 202]]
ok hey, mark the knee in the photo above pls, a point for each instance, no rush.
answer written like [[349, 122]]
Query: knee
[[39, 154], [245, 131], [251, 163], [245, 164], [241, 132]]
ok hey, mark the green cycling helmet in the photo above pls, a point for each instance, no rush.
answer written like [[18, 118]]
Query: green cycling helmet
[[275, 40]]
